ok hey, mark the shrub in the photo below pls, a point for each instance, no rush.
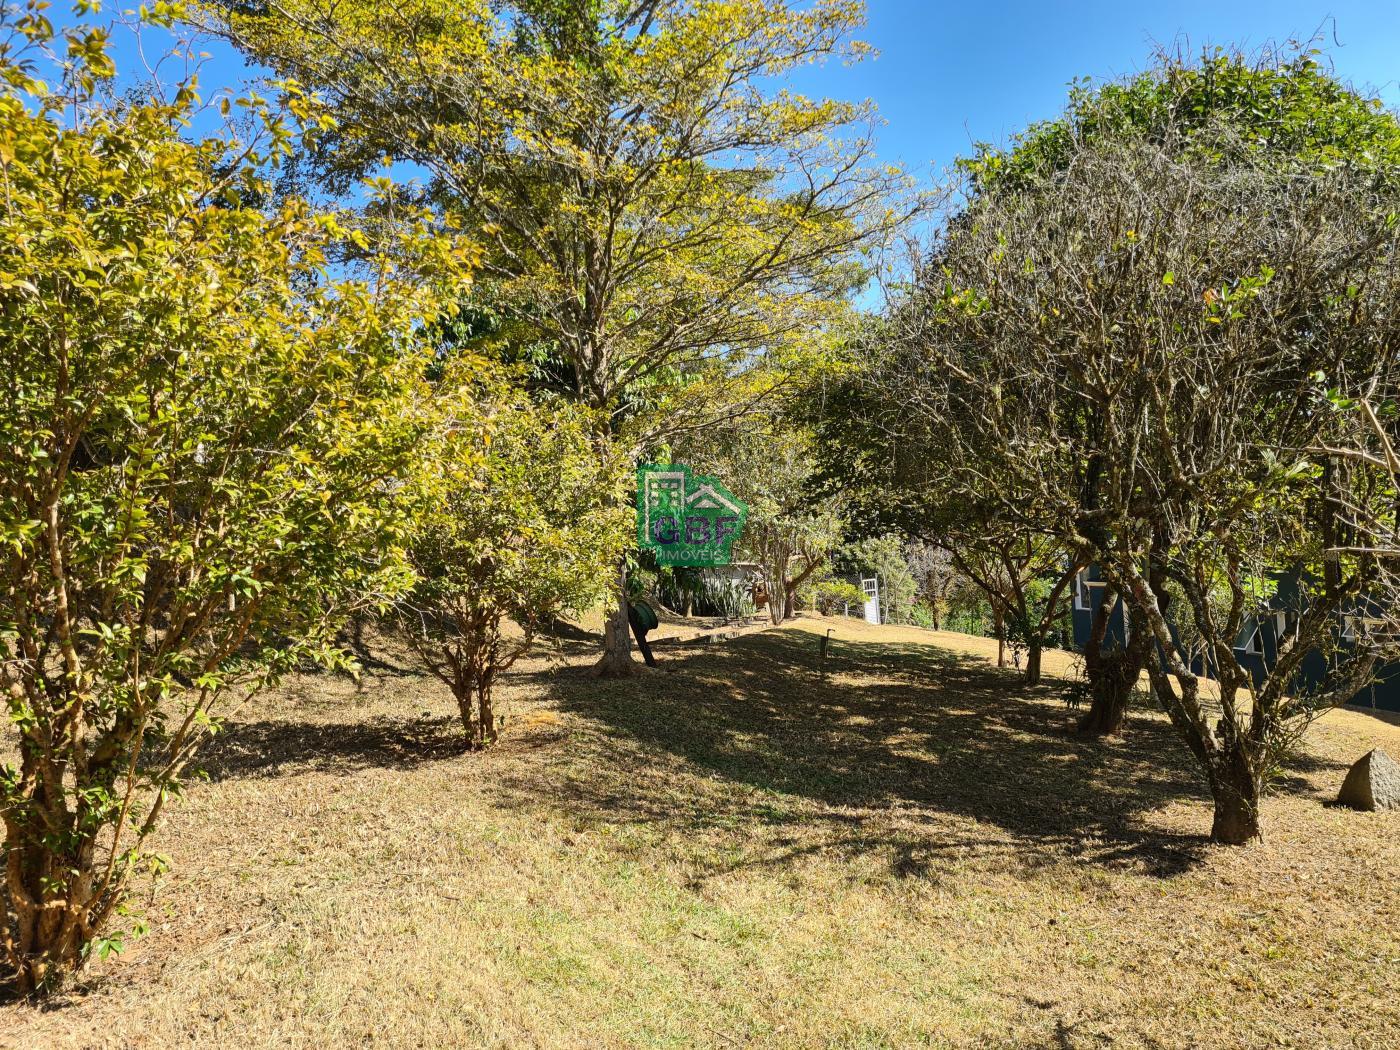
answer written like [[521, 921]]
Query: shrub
[[704, 594], [829, 595], [921, 615], [514, 526], [197, 464]]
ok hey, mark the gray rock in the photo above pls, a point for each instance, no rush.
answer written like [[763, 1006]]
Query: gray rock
[[1373, 783]]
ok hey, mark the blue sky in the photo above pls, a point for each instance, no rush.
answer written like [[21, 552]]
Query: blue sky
[[949, 75], [952, 74]]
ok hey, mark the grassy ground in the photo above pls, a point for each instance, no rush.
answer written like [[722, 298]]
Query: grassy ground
[[905, 848]]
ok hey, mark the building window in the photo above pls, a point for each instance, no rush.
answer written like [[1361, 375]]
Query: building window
[[1285, 621], [1253, 641], [1375, 630], [1087, 593]]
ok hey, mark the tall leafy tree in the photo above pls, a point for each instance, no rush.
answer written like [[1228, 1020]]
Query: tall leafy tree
[[1284, 112], [1145, 348], [660, 215], [900, 469], [200, 451], [1283, 106], [766, 459]]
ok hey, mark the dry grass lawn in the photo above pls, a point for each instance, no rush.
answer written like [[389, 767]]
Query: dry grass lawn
[[904, 849]]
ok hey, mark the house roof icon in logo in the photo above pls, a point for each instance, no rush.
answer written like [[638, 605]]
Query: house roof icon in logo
[[706, 498]]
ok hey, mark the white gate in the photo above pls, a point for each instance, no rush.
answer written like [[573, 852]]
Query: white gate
[[871, 587]]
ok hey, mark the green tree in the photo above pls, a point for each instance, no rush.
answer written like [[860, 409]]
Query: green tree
[[1026, 580], [1283, 112], [198, 463], [516, 525], [766, 460], [660, 216], [935, 579], [1284, 106], [884, 555], [1143, 354], [907, 457], [827, 595]]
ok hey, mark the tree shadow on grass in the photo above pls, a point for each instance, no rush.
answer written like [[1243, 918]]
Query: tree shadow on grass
[[275, 748], [909, 749]]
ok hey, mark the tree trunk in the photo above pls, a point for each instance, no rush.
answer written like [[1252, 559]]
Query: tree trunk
[[1113, 676], [616, 661], [1234, 784], [476, 708], [790, 586], [56, 896], [777, 592], [1034, 648], [689, 581], [1102, 718], [1236, 793], [39, 953], [486, 714], [1108, 708], [466, 711], [1111, 683], [48, 948], [999, 625]]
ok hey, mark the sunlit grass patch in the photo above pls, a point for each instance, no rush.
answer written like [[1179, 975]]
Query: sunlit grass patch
[[909, 851]]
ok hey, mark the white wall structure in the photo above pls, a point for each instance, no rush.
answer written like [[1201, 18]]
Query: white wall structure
[[871, 587]]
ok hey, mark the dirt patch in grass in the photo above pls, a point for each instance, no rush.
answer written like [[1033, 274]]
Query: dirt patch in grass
[[900, 846]]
